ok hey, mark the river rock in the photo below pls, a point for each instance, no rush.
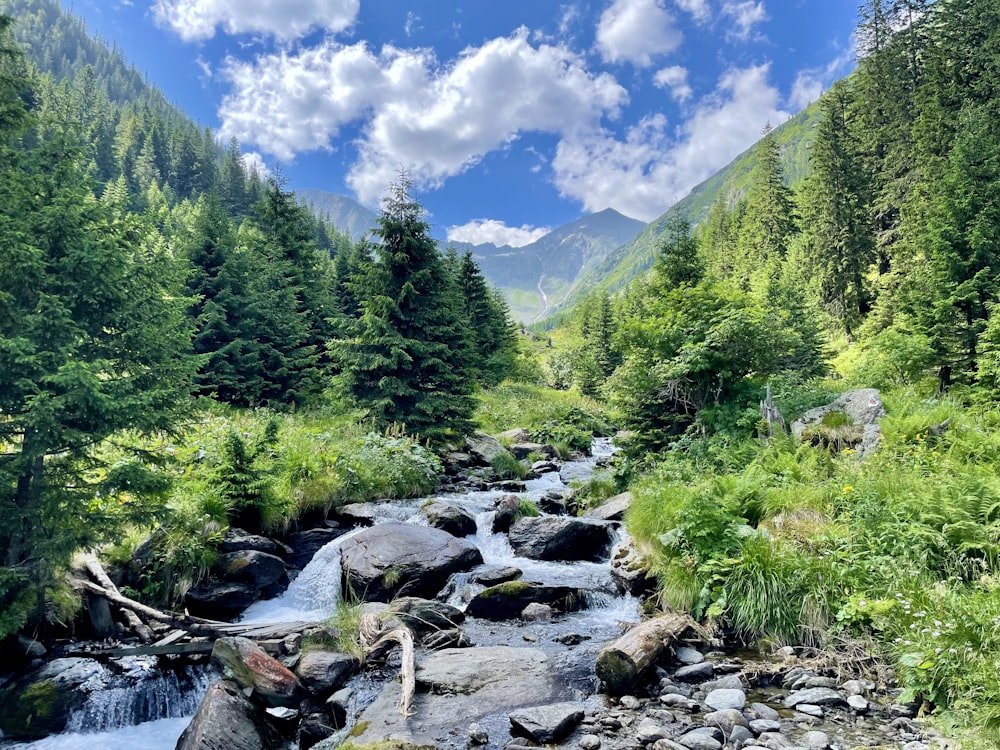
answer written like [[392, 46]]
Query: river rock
[[523, 449], [506, 512], [515, 435], [759, 726], [649, 731], [726, 698], [273, 683], [477, 734], [239, 540], [536, 612], [764, 711], [449, 517], [323, 672], [507, 601], [590, 742], [858, 703], [816, 740], [688, 655], [227, 721], [695, 672], [546, 724], [315, 727], [700, 739], [612, 509], [40, 703], [820, 696], [261, 569], [305, 544], [220, 600], [493, 576], [560, 538], [725, 719], [392, 558], [630, 570], [424, 615], [484, 448]]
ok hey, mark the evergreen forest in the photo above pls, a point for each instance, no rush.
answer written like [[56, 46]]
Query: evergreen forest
[[184, 347]]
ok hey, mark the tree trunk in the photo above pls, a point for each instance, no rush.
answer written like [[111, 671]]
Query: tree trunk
[[620, 665], [97, 572]]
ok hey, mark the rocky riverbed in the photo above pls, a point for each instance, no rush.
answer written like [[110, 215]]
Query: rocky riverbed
[[508, 615]]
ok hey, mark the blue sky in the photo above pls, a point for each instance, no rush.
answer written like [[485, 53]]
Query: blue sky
[[511, 117]]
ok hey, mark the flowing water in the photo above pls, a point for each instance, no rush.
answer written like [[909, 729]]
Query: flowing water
[[165, 702]]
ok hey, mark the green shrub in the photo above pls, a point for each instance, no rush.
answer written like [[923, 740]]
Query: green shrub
[[506, 466]]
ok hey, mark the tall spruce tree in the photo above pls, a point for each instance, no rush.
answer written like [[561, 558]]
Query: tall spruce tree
[[494, 342], [409, 361]]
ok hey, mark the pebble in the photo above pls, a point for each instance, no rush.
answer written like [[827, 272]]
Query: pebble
[[477, 734], [739, 735], [630, 702], [809, 711], [764, 711], [816, 740], [759, 726], [590, 742], [686, 655], [855, 687], [696, 741], [858, 702], [695, 672], [649, 732], [679, 701]]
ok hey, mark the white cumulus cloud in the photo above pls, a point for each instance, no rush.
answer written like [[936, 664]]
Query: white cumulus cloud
[[434, 120], [480, 231], [699, 9], [651, 168], [254, 162], [674, 78], [636, 31], [745, 14], [810, 83], [289, 19]]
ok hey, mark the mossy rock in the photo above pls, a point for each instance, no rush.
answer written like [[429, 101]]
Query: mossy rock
[[39, 704], [506, 601]]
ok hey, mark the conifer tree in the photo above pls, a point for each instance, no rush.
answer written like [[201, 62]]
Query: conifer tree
[[494, 343], [409, 360]]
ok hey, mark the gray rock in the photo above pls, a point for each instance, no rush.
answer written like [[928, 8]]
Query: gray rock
[[630, 571], [809, 709], [253, 669], [858, 703], [536, 612], [817, 681], [774, 740], [39, 704], [508, 600], [667, 745], [612, 509], [739, 736], [676, 700], [820, 696], [221, 600], [515, 435], [449, 517], [523, 448], [259, 569], [695, 672], [726, 698], [855, 687], [493, 576], [545, 724], [729, 682], [863, 407], [904, 710], [237, 540], [425, 615], [323, 672], [560, 538], [477, 734], [392, 558], [484, 448], [816, 740], [760, 726], [764, 711], [227, 721], [916, 745], [590, 742], [305, 545], [699, 740], [316, 727], [649, 731], [630, 702], [686, 655], [725, 719]]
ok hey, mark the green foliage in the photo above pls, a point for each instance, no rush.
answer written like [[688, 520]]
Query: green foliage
[[506, 466]]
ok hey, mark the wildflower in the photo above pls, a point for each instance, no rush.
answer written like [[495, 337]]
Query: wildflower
[[848, 489], [937, 650]]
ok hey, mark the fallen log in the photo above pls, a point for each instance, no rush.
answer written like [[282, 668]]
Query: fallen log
[[193, 625], [621, 664], [96, 570], [377, 642]]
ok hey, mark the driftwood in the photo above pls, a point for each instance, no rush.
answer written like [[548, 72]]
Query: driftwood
[[620, 664], [96, 570], [377, 642], [193, 625]]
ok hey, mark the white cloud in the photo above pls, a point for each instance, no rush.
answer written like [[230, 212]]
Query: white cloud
[[289, 19], [651, 169], [699, 9], [480, 231], [636, 31], [254, 162], [412, 24], [810, 83], [745, 14], [435, 120], [675, 79]]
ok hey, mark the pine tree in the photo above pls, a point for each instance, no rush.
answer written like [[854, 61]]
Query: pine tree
[[409, 360], [494, 344]]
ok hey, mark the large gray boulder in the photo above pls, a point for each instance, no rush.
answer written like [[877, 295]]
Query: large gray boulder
[[612, 509], [261, 569], [560, 538], [227, 721], [863, 407], [39, 704], [507, 601], [630, 571], [220, 600], [238, 540], [324, 672], [393, 558], [546, 724], [484, 448]]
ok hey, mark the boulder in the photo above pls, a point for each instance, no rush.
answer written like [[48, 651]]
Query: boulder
[[424, 615], [523, 449], [629, 570], [560, 538], [252, 668], [863, 407], [484, 448], [238, 540], [493, 576], [516, 435], [323, 672], [536, 612], [305, 544], [358, 514], [260, 569], [612, 509], [40, 703], [546, 724], [227, 721], [220, 600], [449, 517], [506, 513], [393, 558], [507, 601]]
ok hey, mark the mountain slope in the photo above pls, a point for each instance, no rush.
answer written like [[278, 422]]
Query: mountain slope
[[538, 276], [635, 257], [344, 213]]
